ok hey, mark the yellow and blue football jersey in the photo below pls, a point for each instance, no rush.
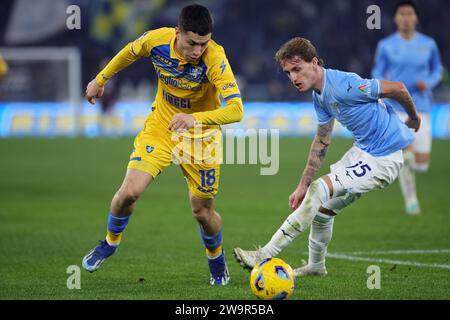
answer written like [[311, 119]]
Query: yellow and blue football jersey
[[193, 88], [183, 86]]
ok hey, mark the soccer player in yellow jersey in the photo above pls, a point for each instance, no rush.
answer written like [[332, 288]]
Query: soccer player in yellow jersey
[[193, 72]]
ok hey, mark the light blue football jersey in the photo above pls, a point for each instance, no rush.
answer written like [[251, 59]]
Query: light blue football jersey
[[355, 102], [409, 61]]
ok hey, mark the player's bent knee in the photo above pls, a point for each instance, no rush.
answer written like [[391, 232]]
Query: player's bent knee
[[329, 184], [127, 195], [202, 214], [319, 190], [201, 207], [337, 189]]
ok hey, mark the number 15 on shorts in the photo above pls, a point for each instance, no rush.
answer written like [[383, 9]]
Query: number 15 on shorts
[[364, 168]]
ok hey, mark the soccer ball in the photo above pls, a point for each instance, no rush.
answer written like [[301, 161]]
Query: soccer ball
[[272, 279]]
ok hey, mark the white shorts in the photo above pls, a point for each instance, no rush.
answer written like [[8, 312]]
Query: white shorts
[[360, 172], [423, 137]]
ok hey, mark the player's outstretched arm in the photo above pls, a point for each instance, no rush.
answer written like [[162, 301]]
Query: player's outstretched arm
[[398, 91], [129, 54], [123, 59], [316, 156]]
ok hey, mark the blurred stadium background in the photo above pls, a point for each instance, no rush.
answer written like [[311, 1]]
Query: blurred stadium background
[[51, 65], [53, 189]]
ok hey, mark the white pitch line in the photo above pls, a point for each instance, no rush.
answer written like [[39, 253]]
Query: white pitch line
[[430, 251], [389, 261]]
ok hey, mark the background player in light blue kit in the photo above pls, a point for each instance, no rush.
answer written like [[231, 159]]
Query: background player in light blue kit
[[372, 163], [412, 58]]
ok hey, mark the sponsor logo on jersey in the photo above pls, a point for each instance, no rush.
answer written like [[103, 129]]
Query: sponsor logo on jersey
[[176, 101], [174, 82], [363, 88], [163, 60], [229, 85]]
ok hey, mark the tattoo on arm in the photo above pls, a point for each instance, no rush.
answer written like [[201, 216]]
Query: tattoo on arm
[[397, 91], [317, 152], [324, 149], [408, 104]]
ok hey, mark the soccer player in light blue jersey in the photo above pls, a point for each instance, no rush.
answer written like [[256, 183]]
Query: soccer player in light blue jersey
[[412, 58], [372, 163]]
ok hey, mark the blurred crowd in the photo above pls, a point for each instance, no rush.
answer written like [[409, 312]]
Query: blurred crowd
[[250, 31]]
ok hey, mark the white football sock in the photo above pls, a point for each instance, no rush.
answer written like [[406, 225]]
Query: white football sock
[[299, 220], [319, 238], [407, 178], [322, 228]]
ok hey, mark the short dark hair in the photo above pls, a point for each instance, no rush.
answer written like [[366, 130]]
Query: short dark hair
[[195, 18], [297, 47], [405, 3]]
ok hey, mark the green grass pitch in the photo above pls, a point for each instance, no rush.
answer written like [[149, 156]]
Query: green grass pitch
[[55, 195]]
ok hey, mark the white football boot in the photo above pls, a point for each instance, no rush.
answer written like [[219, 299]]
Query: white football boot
[[248, 258], [412, 208], [307, 270]]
